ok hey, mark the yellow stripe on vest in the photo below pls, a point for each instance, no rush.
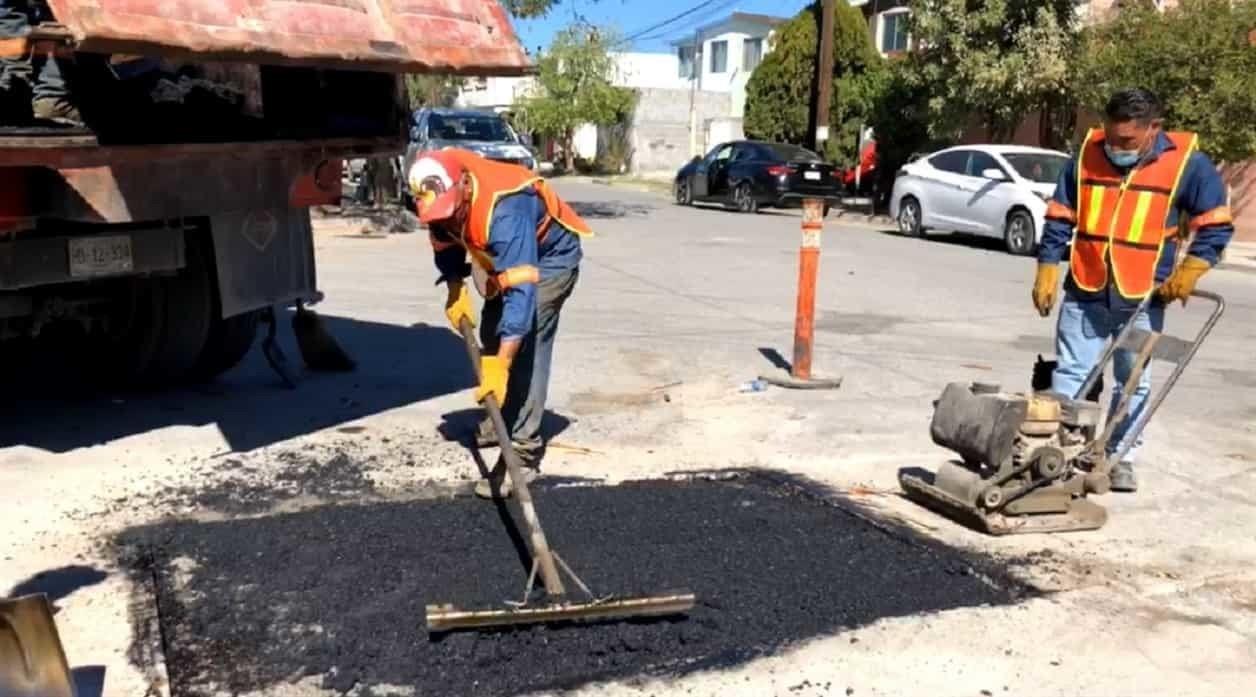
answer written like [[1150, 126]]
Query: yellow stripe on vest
[[1094, 209], [1139, 222]]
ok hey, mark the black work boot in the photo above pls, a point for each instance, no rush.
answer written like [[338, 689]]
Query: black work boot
[[485, 434], [501, 480], [1122, 477], [57, 110]]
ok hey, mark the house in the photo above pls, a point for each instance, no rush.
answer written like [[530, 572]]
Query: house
[[887, 22], [720, 56]]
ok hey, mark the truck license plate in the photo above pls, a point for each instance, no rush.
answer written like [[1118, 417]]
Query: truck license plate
[[815, 176], [100, 256]]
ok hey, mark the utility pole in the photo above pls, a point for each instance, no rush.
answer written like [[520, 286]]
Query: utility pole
[[824, 74], [694, 72], [800, 376]]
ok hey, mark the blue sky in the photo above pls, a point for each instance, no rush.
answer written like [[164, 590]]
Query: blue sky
[[633, 16]]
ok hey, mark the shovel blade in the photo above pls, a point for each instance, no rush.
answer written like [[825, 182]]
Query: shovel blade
[[32, 660]]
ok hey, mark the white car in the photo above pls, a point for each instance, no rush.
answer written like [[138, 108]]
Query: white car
[[990, 190]]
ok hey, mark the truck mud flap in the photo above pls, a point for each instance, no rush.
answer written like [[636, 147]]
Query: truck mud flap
[[264, 258]]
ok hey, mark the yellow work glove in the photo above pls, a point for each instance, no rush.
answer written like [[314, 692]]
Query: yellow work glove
[[1181, 283], [458, 305], [494, 373], [1046, 284]]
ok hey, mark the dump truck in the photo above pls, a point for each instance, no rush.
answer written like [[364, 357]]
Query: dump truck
[[161, 232]]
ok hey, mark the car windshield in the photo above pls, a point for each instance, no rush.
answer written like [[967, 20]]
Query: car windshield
[[481, 128], [1042, 168], [789, 153]]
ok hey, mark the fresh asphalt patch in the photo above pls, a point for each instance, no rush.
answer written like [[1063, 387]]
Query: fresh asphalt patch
[[334, 596]]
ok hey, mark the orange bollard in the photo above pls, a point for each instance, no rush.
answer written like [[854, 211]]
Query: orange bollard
[[805, 312], [808, 268]]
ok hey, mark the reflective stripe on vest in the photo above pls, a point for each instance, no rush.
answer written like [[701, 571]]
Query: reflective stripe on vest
[[491, 181], [1124, 219]]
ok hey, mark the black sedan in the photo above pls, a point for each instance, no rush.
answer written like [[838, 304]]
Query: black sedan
[[747, 175]]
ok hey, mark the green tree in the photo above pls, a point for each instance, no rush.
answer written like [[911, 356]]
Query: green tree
[[1198, 58], [781, 91], [992, 60], [528, 8], [432, 90], [899, 118], [574, 87]]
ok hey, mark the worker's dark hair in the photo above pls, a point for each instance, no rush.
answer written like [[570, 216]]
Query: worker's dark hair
[[1133, 105]]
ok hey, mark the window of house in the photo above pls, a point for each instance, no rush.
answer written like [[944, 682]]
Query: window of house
[[685, 54], [893, 38], [719, 56], [751, 54]]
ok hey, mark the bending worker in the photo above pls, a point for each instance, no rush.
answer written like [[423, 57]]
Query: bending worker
[[525, 252], [1123, 202]]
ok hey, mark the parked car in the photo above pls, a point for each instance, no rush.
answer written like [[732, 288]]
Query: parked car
[[990, 190], [748, 175], [483, 132]]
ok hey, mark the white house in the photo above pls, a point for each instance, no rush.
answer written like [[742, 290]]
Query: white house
[[496, 93], [632, 69], [720, 56]]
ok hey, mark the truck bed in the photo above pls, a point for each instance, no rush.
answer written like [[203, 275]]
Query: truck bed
[[441, 36]]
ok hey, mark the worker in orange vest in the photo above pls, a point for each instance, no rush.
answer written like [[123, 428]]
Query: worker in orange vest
[[524, 247], [1121, 204]]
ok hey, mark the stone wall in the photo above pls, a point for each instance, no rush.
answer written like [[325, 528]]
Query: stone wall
[[659, 131]]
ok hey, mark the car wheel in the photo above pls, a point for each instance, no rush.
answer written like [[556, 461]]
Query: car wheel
[[684, 195], [909, 217], [1018, 233], [744, 199]]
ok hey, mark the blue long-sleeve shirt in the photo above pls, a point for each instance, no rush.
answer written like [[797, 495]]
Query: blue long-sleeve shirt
[[513, 242], [1201, 190]]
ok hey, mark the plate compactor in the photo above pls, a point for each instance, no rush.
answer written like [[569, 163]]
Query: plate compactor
[[1027, 462]]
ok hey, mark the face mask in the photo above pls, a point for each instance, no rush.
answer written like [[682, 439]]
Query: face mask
[[1122, 158]]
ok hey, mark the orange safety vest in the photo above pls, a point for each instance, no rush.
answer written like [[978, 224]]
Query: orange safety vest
[[1124, 219], [490, 182]]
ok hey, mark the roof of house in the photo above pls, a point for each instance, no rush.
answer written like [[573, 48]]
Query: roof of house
[[750, 17]]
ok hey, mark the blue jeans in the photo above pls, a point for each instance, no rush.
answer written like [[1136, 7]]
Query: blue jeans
[[16, 18], [1084, 328], [528, 386]]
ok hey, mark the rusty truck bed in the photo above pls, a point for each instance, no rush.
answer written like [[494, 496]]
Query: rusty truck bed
[[471, 37]]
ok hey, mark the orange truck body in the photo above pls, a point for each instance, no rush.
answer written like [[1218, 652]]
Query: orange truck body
[[238, 210]]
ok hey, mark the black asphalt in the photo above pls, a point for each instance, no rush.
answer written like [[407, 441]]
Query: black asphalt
[[338, 592]]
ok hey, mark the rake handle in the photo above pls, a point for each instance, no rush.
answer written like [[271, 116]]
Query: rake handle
[[537, 543]]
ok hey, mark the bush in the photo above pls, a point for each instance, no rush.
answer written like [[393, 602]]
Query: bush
[[780, 93], [1198, 58]]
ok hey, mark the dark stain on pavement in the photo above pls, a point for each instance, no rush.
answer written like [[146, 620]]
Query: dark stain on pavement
[[242, 487], [337, 593], [1237, 378], [610, 209], [1030, 344], [856, 322]]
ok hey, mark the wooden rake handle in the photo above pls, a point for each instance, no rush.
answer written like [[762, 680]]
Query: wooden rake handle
[[542, 557]]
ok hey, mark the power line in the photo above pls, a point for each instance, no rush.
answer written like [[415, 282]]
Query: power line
[[636, 35], [690, 23]]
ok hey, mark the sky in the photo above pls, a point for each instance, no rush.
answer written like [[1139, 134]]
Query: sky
[[633, 17]]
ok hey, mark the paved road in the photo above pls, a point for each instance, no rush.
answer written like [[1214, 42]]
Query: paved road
[[675, 307]]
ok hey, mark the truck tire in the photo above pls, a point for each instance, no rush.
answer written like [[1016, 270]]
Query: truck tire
[[141, 316], [189, 308], [229, 341]]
